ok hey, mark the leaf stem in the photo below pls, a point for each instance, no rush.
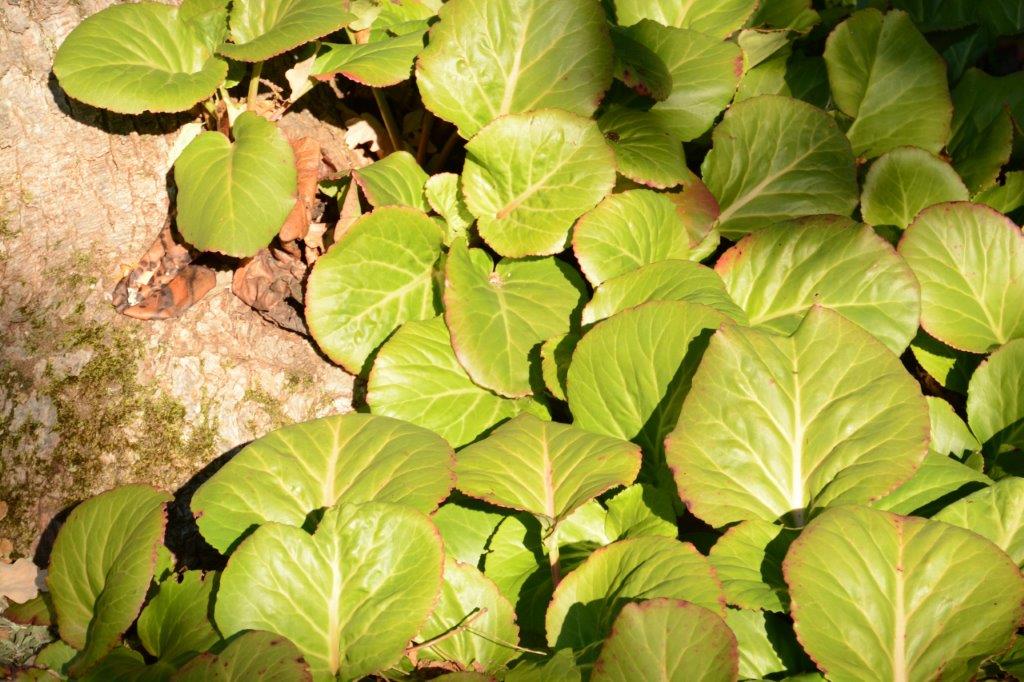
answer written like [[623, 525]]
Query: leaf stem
[[389, 119], [437, 164], [451, 632], [551, 545], [428, 123], [254, 84]]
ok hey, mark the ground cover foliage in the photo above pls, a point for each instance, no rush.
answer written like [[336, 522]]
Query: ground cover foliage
[[707, 359]]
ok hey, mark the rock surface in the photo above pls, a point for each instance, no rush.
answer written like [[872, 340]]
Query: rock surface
[[90, 399]]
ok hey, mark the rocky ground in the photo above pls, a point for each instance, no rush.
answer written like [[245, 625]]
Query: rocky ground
[[90, 399]]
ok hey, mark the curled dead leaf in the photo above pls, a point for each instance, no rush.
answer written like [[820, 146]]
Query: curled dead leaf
[[307, 167]]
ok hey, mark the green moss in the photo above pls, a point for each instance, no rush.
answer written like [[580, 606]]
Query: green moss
[[112, 429], [269, 405]]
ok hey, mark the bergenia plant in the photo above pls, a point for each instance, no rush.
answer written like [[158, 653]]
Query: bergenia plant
[[690, 339]]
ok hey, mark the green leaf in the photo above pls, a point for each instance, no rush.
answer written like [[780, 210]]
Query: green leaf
[[366, 579], [679, 639], [969, 261], [886, 76], [416, 377], [559, 667], [915, 598], [379, 275], [699, 211], [36, 611], [233, 197], [776, 158], [903, 182], [488, 640], [489, 58], [526, 202], [1006, 197], [718, 19], [498, 314], [517, 564], [638, 67], [786, 73], [703, 71], [175, 625], [666, 280], [996, 513], [640, 510], [466, 526], [445, 198], [630, 373], [56, 656], [774, 426], [261, 29], [152, 59], [589, 599], [303, 468], [555, 356], [778, 273], [645, 151], [127, 665], [985, 108], [796, 15], [951, 368], [748, 561], [950, 436], [938, 481], [627, 231], [995, 399], [100, 570], [395, 180], [252, 656], [544, 468], [378, 64], [768, 647]]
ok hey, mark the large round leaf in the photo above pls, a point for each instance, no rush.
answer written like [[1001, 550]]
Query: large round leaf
[[645, 151], [379, 64], [995, 512], [630, 373], [775, 425], [395, 180], [488, 58], [588, 600], [101, 568], [498, 314], [233, 197], [627, 231], [544, 468], [995, 399], [748, 561], [252, 656], [778, 273], [529, 176], [719, 18], [886, 76], [703, 71], [376, 277], [261, 29], [302, 468], [768, 646], [350, 596], [985, 110], [940, 480], [903, 182], [970, 262], [175, 625], [776, 158], [667, 280], [416, 377], [140, 57], [880, 596], [684, 642], [489, 639]]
